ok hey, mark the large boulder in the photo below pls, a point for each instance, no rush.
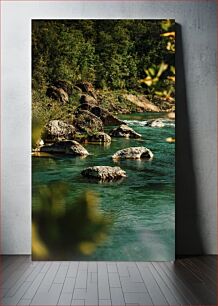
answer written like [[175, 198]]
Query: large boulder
[[58, 94], [141, 102], [88, 123], [124, 131], [65, 85], [106, 116], [104, 173], [87, 99], [71, 147], [88, 88], [99, 137], [58, 130], [134, 153]]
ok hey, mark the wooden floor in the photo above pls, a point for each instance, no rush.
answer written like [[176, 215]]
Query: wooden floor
[[188, 281]]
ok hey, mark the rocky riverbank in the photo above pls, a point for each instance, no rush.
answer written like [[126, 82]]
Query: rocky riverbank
[[81, 112], [86, 124]]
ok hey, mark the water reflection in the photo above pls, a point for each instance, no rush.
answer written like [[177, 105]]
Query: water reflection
[[137, 164]]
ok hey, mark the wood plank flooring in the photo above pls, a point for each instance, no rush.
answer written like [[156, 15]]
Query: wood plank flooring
[[188, 281]]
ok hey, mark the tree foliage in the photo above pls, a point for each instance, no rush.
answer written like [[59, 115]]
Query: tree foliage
[[163, 87], [111, 54]]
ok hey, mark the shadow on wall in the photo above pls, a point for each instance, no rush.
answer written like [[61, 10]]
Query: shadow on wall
[[188, 232]]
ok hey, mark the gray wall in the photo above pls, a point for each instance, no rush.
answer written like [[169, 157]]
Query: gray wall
[[196, 113]]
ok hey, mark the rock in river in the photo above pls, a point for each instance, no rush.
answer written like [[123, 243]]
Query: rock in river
[[155, 123], [104, 173], [58, 130], [134, 153], [124, 131], [71, 147], [99, 137]]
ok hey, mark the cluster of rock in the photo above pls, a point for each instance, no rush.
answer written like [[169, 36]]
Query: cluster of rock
[[89, 120], [107, 173], [58, 130], [61, 90]]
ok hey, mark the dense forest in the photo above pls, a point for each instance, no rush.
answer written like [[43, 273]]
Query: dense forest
[[108, 53], [125, 65]]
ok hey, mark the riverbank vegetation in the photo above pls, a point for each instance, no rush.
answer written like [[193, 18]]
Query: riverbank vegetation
[[117, 57]]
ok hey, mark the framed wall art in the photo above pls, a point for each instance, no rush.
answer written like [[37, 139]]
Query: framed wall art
[[103, 139]]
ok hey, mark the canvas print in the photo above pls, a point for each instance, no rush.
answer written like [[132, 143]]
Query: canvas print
[[103, 140]]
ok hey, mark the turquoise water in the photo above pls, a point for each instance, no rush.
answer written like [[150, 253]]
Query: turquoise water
[[143, 204]]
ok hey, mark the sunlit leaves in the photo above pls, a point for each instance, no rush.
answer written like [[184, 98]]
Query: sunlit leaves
[[62, 229], [151, 71], [165, 94], [172, 78], [161, 78], [162, 67], [168, 34], [166, 24], [173, 69], [153, 74], [37, 128], [87, 248], [39, 249]]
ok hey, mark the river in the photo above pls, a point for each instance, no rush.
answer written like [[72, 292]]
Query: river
[[143, 204]]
